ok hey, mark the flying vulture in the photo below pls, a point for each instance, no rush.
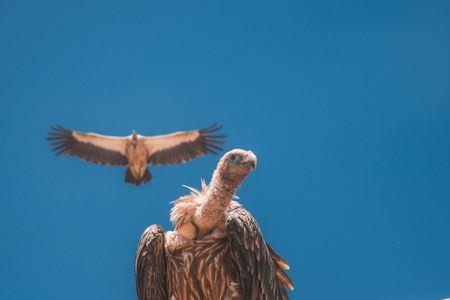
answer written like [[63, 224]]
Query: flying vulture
[[136, 151], [216, 250]]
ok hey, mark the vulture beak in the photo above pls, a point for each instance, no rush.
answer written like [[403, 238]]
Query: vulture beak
[[250, 160]]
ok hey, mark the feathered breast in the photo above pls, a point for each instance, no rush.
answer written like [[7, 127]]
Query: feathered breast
[[204, 270]]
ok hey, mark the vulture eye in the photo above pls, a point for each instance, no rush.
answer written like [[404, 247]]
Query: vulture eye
[[233, 157]]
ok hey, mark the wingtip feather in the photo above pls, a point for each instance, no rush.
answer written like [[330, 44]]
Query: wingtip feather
[[212, 128]]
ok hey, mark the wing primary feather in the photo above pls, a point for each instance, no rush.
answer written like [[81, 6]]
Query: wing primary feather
[[260, 275], [212, 151], [211, 127], [64, 141], [280, 261], [220, 136], [181, 147], [215, 147]]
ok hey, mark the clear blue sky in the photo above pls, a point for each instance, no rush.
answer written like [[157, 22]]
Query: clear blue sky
[[346, 104]]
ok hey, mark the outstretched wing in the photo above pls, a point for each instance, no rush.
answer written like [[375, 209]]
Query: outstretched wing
[[180, 147], [150, 268], [261, 269], [95, 148]]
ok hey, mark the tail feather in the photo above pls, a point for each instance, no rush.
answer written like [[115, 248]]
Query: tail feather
[[129, 178]]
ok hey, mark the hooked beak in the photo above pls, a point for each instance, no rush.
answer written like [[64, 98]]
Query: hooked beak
[[250, 160]]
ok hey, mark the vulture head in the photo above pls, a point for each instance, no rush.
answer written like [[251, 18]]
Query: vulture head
[[236, 164], [134, 138]]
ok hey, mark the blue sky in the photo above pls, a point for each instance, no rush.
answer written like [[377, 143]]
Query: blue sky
[[346, 104]]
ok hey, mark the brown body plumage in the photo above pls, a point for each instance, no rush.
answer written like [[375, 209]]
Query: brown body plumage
[[216, 250], [136, 151]]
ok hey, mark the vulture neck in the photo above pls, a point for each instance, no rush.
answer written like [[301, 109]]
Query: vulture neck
[[220, 192]]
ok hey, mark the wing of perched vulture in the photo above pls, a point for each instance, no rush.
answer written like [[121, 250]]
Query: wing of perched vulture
[[180, 147], [150, 269], [92, 147], [261, 275]]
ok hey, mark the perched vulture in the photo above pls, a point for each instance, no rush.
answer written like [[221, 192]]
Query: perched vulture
[[136, 151], [216, 250]]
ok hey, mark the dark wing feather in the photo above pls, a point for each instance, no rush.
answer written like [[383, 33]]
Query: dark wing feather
[[95, 148], [259, 271], [150, 268], [284, 281], [180, 147]]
